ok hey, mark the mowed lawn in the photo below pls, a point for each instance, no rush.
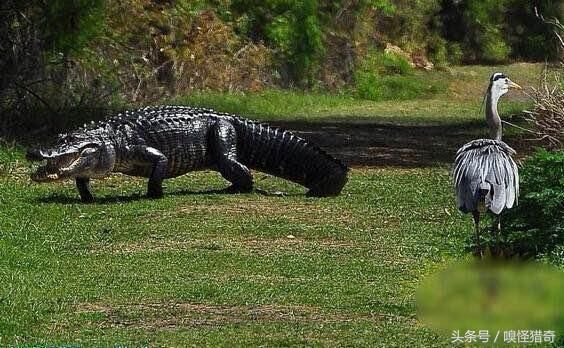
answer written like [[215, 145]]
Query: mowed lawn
[[200, 267]]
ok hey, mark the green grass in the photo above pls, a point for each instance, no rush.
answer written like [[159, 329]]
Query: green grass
[[215, 268], [458, 103], [386, 76], [198, 268]]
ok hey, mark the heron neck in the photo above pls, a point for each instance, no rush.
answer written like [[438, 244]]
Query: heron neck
[[492, 116]]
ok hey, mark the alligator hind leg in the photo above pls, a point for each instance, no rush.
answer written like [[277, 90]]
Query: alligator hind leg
[[223, 141], [83, 186]]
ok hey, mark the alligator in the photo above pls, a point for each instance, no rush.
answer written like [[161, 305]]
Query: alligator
[[162, 142]]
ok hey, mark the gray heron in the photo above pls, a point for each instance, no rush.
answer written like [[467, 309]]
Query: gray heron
[[485, 175]]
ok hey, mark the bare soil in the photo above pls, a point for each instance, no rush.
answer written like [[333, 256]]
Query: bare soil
[[153, 316]]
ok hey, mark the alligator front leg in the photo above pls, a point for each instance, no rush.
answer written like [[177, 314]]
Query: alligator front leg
[[159, 165], [224, 144], [83, 186]]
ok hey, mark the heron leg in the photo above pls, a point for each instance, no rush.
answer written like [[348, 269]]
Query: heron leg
[[476, 216], [496, 231]]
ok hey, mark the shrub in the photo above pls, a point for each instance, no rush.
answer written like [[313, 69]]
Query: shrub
[[493, 47], [411, 25], [438, 51], [443, 52], [292, 27], [455, 53], [39, 43], [536, 225], [493, 30], [483, 20], [68, 25], [386, 76], [392, 64], [530, 37]]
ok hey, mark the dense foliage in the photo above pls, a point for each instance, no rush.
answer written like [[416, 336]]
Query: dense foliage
[[67, 26], [386, 76], [37, 69], [136, 51], [291, 27], [536, 225], [495, 30]]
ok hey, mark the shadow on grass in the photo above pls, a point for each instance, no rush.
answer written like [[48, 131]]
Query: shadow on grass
[[61, 198], [358, 144], [382, 145], [372, 143]]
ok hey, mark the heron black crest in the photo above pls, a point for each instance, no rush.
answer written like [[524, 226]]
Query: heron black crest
[[497, 76]]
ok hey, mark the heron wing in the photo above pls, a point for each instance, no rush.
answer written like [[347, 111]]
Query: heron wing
[[511, 181], [466, 175], [485, 161]]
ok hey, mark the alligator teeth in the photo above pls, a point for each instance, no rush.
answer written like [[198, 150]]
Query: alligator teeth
[[53, 176]]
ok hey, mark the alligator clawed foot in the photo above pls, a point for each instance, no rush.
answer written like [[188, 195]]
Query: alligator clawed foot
[[87, 199], [155, 193], [238, 189]]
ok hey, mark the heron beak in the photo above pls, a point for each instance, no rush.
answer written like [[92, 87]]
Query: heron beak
[[513, 85]]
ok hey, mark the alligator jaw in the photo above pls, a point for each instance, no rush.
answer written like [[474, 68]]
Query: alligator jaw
[[42, 176], [54, 168]]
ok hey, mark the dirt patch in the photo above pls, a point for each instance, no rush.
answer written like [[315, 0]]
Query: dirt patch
[[175, 315], [249, 246]]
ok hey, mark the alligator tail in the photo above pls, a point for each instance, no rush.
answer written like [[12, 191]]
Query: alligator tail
[[281, 153]]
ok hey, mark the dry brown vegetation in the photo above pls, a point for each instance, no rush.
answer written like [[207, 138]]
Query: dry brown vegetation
[[153, 316], [181, 52], [547, 116]]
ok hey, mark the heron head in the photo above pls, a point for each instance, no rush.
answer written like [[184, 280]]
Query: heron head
[[501, 84]]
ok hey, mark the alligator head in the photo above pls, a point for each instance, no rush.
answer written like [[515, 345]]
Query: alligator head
[[74, 155]]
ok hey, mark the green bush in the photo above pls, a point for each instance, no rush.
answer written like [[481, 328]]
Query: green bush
[[491, 31], [392, 64], [484, 22], [455, 53], [68, 25], [438, 51], [493, 47], [536, 226], [292, 27], [529, 37], [411, 25], [387, 76]]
